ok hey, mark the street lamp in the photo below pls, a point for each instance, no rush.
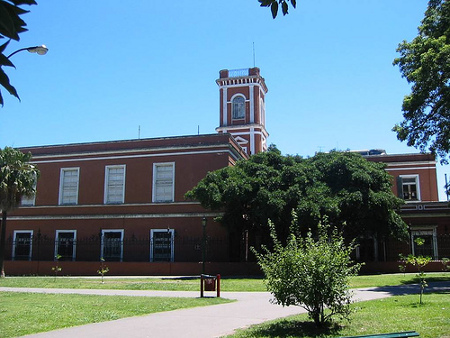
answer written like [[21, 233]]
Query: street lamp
[[204, 221], [41, 50]]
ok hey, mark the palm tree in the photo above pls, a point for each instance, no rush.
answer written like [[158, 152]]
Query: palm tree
[[17, 178]]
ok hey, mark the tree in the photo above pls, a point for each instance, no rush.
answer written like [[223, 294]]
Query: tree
[[425, 63], [11, 25], [311, 272], [17, 178], [274, 4], [341, 186]]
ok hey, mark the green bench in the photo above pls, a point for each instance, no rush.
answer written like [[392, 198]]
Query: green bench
[[389, 335]]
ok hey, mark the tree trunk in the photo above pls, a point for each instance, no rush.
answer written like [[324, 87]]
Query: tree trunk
[[2, 244]]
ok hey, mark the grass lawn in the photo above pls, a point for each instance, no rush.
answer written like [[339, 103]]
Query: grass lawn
[[26, 313], [193, 284], [393, 314]]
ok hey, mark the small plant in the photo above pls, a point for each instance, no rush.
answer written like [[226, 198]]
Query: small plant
[[56, 268], [419, 262], [103, 269], [446, 264], [311, 272], [403, 261]]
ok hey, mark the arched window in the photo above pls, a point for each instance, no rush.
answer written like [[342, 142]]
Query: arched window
[[238, 107]]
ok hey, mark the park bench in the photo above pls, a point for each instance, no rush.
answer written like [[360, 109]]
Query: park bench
[[389, 335]]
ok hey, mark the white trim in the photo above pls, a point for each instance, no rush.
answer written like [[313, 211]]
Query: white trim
[[406, 168], [121, 231], [121, 216], [61, 187], [416, 177], [252, 103], [252, 141], [242, 85], [74, 247], [216, 150], [172, 233], [225, 106], [240, 140], [13, 255], [162, 164], [106, 190]]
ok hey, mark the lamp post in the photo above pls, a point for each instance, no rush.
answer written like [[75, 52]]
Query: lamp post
[[40, 50], [204, 221]]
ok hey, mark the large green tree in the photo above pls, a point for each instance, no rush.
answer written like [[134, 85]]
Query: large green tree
[[343, 187], [11, 25], [425, 63], [275, 4], [17, 178]]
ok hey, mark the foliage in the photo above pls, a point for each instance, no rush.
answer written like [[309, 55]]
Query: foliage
[[311, 272], [342, 186], [274, 4], [424, 62], [11, 25], [103, 269], [418, 262], [17, 179], [446, 264], [56, 268]]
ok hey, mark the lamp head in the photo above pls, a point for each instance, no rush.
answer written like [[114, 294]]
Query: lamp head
[[41, 50]]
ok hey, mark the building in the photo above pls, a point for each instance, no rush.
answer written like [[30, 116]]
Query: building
[[123, 201], [415, 181]]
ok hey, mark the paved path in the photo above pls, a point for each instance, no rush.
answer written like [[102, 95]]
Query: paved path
[[212, 321]]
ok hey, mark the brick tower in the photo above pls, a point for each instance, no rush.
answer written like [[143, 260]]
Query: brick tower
[[242, 108]]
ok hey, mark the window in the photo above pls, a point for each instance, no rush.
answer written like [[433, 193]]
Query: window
[[68, 187], [161, 245], [30, 199], [22, 245], [65, 245], [112, 245], [429, 246], [238, 107], [114, 184], [163, 182], [408, 187]]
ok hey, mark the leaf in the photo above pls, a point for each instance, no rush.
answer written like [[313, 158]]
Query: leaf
[[284, 7], [274, 9]]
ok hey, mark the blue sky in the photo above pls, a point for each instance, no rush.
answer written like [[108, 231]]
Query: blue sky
[[114, 66]]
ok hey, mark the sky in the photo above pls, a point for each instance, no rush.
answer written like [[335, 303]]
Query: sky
[[120, 70]]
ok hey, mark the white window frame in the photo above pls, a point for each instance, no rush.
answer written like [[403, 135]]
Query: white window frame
[[154, 186], [172, 237], [121, 231], [29, 201], [107, 175], [74, 250], [13, 256], [61, 185], [425, 231], [233, 117], [416, 177]]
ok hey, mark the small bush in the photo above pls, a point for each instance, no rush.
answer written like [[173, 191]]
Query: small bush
[[311, 272]]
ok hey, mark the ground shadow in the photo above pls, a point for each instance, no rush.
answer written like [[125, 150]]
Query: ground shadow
[[295, 328]]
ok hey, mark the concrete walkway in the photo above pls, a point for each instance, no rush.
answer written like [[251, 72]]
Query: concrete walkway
[[211, 321]]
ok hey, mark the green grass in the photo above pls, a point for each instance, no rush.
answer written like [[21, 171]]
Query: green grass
[[193, 284], [27, 313], [393, 314]]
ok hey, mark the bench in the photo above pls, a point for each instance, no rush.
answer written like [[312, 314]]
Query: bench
[[389, 335]]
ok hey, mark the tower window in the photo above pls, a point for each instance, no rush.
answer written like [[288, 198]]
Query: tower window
[[238, 107]]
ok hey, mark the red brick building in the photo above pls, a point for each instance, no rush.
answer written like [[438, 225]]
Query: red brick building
[[123, 201]]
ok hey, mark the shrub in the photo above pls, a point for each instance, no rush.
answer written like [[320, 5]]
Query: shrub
[[311, 272]]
